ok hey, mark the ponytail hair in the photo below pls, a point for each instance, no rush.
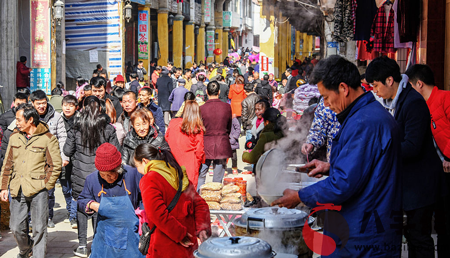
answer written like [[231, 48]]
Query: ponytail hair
[[274, 116], [151, 152]]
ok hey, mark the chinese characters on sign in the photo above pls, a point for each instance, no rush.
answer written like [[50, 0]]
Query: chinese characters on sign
[[207, 11], [40, 79], [40, 34], [210, 42], [264, 64], [143, 34], [226, 18]]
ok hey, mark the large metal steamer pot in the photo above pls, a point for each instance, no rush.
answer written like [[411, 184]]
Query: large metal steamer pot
[[234, 247], [280, 227], [274, 174]]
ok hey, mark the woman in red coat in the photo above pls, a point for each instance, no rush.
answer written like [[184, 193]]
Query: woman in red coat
[[176, 232], [237, 95], [185, 138]]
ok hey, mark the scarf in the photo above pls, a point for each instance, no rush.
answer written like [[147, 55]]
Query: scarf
[[169, 173], [391, 104]]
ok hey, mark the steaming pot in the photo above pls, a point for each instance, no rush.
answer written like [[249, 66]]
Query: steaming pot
[[280, 227], [236, 247], [274, 174]]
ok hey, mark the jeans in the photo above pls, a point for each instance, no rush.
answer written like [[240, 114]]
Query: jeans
[[167, 117], [38, 206], [248, 135], [219, 171], [418, 232], [66, 185], [73, 209], [82, 223]]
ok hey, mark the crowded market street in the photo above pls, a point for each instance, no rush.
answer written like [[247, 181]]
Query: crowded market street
[[224, 128]]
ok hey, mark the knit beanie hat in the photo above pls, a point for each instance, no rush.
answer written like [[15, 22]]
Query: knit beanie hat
[[107, 157]]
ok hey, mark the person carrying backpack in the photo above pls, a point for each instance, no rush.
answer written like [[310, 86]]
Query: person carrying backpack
[[264, 90], [199, 89]]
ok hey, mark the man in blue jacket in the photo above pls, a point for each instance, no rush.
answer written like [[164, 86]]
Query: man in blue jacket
[[364, 167]]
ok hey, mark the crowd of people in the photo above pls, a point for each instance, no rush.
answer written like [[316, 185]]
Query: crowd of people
[[152, 143]]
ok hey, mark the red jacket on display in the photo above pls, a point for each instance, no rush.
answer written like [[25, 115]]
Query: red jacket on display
[[22, 80], [188, 150], [439, 105], [191, 214]]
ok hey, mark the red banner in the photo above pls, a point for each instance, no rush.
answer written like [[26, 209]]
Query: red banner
[[40, 34]]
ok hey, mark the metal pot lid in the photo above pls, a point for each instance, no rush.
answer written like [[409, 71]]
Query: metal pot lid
[[273, 218], [235, 247]]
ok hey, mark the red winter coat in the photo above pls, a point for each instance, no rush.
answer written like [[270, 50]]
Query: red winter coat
[[439, 105], [22, 80], [188, 150], [237, 95], [191, 214]]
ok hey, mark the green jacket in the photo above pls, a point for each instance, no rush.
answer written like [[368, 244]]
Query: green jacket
[[267, 135], [32, 164]]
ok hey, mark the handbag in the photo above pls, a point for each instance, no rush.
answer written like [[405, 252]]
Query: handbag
[[144, 240]]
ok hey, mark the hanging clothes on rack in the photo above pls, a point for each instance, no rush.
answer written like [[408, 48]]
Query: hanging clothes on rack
[[397, 43], [408, 17], [362, 53], [383, 30], [343, 23], [365, 11]]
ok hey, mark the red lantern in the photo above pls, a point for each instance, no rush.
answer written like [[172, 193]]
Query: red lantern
[[217, 51]]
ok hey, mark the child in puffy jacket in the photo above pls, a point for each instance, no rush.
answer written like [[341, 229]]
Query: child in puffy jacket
[[234, 141]]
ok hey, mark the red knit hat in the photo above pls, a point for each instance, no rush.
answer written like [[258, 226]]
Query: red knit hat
[[119, 78], [107, 157]]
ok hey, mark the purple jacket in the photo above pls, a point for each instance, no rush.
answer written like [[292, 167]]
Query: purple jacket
[[234, 134], [177, 98]]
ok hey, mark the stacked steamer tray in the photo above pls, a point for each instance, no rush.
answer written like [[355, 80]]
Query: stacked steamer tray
[[222, 197]]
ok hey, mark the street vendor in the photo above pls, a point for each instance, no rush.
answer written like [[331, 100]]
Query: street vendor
[[364, 167], [112, 192]]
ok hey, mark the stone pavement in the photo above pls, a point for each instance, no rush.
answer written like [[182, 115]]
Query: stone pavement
[[62, 239]]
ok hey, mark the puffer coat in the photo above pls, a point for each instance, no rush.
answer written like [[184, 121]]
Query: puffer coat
[[56, 127], [84, 160], [132, 140]]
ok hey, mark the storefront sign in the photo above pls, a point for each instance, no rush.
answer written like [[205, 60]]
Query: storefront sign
[[207, 11], [226, 19], [40, 79], [40, 34], [138, 1], [210, 42], [143, 34]]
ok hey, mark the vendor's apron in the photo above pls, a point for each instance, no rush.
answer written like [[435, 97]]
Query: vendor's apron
[[117, 229]]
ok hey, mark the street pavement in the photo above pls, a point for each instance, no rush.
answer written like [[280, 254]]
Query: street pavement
[[62, 239]]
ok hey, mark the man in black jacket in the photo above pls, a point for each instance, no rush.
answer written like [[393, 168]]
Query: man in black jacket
[[264, 90], [134, 84], [10, 115], [422, 168], [140, 70], [290, 84], [249, 73], [5, 122], [164, 85], [99, 90], [129, 105]]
